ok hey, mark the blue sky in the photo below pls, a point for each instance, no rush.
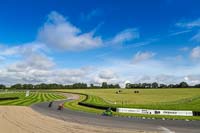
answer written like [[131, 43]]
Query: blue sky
[[95, 41]]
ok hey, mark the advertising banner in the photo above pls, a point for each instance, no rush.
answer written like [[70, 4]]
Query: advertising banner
[[155, 112]]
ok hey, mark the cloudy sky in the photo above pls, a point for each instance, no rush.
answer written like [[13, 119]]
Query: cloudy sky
[[95, 41]]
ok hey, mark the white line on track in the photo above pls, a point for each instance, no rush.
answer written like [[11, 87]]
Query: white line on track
[[165, 130]]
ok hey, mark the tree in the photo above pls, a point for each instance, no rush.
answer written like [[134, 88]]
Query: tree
[[104, 85], [197, 86], [117, 86], [163, 86], [144, 85], [17, 86], [170, 86], [2, 86], [92, 85], [154, 85], [79, 86], [27, 86], [183, 85]]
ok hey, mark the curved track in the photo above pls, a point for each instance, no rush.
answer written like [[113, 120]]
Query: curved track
[[164, 126]]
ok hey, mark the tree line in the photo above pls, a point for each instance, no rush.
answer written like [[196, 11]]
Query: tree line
[[103, 85], [156, 85], [59, 86]]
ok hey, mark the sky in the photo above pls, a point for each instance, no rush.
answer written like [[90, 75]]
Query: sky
[[95, 41]]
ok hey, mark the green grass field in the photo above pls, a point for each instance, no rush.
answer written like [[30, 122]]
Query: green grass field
[[34, 97], [176, 99], [97, 100], [172, 99]]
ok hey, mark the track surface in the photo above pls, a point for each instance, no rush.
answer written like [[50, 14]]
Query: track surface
[[164, 126]]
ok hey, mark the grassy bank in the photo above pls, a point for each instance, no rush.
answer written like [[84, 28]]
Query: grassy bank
[[178, 99], [73, 105], [34, 97], [173, 99]]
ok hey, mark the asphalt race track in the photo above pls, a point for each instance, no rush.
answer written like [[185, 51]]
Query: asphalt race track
[[164, 126]]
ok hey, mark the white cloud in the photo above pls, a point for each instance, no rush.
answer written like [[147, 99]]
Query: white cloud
[[196, 37], [175, 59], [179, 32], [142, 56], [33, 61], [59, 33], [125, 36], [90, 15], [30, 63], [162, 71], [107, 74], [193, 79], [184, 49], [41, 69], [169, 79], [2, 58], [33, 65], [195, 54], [23, 49], [191, 24], [98, 81]]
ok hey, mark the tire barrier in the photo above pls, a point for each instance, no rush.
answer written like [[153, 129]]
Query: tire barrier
[[196, 113], [8, 98], [96, 106]]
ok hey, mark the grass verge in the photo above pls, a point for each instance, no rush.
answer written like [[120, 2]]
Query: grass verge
[[73, 105], [34, 97]]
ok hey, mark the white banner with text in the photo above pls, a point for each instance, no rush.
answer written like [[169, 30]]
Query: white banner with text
[[155, 112]]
